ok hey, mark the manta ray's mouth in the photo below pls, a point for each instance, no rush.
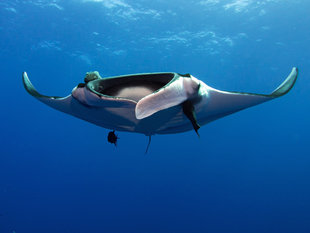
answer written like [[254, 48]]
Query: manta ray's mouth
[[133, 87]]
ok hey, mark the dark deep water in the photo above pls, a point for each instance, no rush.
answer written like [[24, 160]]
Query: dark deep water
[[248, 172]]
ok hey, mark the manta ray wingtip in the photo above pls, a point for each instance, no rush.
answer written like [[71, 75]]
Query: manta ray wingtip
[[28, 86], [287, 85]]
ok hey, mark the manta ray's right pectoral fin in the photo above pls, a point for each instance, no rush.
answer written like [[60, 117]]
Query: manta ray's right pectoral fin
[[59, 103]]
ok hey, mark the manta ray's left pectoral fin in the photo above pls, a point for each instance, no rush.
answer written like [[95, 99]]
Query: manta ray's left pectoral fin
[[287, 85], [223, 103]]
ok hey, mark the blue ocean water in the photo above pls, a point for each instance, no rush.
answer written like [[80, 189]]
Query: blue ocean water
[[248, 172]]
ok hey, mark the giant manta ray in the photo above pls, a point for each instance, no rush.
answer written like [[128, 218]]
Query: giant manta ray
[[153, 103]]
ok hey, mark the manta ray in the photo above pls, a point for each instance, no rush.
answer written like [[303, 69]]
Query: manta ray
[[153, 103]]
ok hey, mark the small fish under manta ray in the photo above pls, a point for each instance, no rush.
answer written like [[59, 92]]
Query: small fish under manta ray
[[152, 103]]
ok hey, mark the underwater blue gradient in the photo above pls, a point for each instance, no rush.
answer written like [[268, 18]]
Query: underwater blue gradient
[[248, 172]]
